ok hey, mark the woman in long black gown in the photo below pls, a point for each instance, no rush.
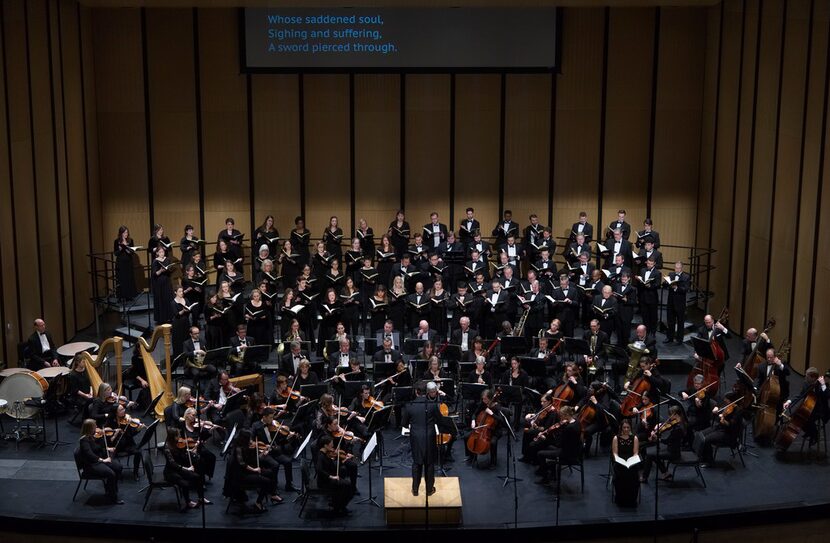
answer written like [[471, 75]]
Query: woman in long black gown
[[161, 287], [626, 480], [125, 288], [181, 321]]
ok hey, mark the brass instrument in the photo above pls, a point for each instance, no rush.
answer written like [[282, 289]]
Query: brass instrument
[[239, 358], [520, 327], [592, 367], [638, 349]]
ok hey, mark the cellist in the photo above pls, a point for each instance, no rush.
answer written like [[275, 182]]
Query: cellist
[[813, 382], [606, 406], [492, 408], [571, 380]]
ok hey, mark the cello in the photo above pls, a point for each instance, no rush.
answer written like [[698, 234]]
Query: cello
[[769, 395], [710, 368], [754, 359], [640, 387], [798, 420], [482, 434]]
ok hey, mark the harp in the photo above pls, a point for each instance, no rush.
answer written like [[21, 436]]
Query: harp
[[158, 384], [94, 361]]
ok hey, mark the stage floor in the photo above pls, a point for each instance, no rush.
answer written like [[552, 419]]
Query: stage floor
[[38, 483]]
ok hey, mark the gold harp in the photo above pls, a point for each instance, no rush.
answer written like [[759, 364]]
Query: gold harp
[[94, 361], [158, 384]]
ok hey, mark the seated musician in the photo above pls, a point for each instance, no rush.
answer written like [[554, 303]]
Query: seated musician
[[42, 348], [641, 340], [305, 376], [544, 352], [343, 440], [480, 375], [567, 449], [291, 360], [572, 380], [645, 416], [199, 431], [180, 468], [282, 399], [280, 447], [80, 391], [361, 407], [96, 459], [341, 357], [102, 409], [124, 442], [534, 425], [492, 408], [648, 371], [699, 404], [597, 339], [725, 429], [813, 382], [605, 421], [386, 353], [174, 413], [218, 392], [426, 351], [332, 478], [515, 376], [239, 343], [194, 349], [245, 472], [671, 434]]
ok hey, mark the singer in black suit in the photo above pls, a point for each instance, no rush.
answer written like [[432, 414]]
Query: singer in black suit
[[676, 305]]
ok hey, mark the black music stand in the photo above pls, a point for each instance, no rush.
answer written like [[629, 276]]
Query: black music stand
[[451, 352], [402, 395], [257, 354], [217, 357], [702, 348], [472, 392], [318, 367], [512, 345], [419, 366], [352, 388], [413, 345], [535, 367], [370, 345], [378, 421], [577, 346], [313, 392], [382, 370], [233, 402]]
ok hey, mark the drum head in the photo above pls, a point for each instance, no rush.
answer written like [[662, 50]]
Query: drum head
[[18, 388]]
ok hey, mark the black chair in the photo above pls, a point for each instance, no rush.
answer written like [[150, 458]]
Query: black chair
[[156, 481], [309, 488], [572, 464], [736, 446], [688, 459], [83, 477]]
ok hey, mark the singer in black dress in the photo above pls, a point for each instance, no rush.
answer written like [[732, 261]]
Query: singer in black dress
[[125, 288], [626, 480], [161, 287]]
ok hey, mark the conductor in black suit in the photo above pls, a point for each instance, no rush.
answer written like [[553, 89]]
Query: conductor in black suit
[[422, 415], [42, 348]]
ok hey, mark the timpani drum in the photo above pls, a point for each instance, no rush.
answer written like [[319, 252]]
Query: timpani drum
[[19, 387]]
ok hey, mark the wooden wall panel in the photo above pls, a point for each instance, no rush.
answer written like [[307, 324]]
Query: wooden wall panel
[[526, 147], [99, 240], [477, 143], [173, 132], [628, 115], [785, 196], [377, 142], [426, 149], [817, 354], [9, 301], [22, 171], [327, 160], [224, 124], [122, 150], [721, 229], [678, 128], [276, 118], [578, 104]]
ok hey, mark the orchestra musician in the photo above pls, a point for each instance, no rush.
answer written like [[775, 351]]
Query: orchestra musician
[[240, 365], [280, 446], [244, 471], [699, 405], [344, 441], [725, 428], [479, 374], [816, 383], [218, 392], [671, 434], [566, 449], [597, 340], [96, 459], [80, 390], [331, 477], [492, 408], [291, 360], [607, 405], [180, 468]]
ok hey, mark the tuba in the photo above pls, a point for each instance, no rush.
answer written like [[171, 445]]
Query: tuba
[[638, 349]]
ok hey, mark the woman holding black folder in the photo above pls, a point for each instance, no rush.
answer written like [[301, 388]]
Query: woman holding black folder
[[161, 287], [125, 288]]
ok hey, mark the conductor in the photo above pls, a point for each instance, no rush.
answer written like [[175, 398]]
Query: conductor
[[422, 415]]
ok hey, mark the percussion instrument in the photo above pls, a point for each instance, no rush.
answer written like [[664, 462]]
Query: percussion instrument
[[51, 373], [16, 389]]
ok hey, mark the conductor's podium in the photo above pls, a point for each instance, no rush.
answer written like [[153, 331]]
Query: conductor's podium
[[402, 508]]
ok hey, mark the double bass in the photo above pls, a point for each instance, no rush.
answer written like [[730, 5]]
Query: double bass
[[481, 436], [763, 426], [710, 368], [754, 359]]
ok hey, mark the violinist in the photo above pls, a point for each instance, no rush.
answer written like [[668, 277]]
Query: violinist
[[180, 468], [401, 378], [174, 413], [698, 407], [325, 411], [333, 477], [124, 442], [816, 383], [646, 417], [96, 459], [281, 442], [568, 445], [671, 434], [534, 425], [480, 375], [491, 407], [725, 429], [218, 392], [625, 445], [244, 471], [102, 409], [344, 441], [198, 431], [605, 407], [361, 407]]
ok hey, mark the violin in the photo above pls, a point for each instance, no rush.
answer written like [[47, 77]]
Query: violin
[[371, 403], [206, 425], [195, 402], [543, 434], [281, 429], [337, 454], [130, 421], [120, 400], [290, 393], [104, 432], [346, 435], [186, 443], [671, 422]]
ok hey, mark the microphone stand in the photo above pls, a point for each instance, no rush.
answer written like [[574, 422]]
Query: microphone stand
[[511, 458]]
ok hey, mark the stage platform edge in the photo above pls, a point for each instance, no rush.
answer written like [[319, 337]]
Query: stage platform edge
[[402, 508]]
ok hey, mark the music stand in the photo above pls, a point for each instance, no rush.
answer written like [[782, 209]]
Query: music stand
[[378, 420], [370, 345], [413, 345], [702, 348], [382, 370], [367, 455], [352, 388], [231, 437], [313, 392], [217, 357], [512, 345], [464, 368], [535, 367], [233, 402], [149, 432], [746, 380], [472, 392], [577, 346], [257, 354], [401, 395], [420, 366], [304, 409], [318, 367], [451, 352]]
